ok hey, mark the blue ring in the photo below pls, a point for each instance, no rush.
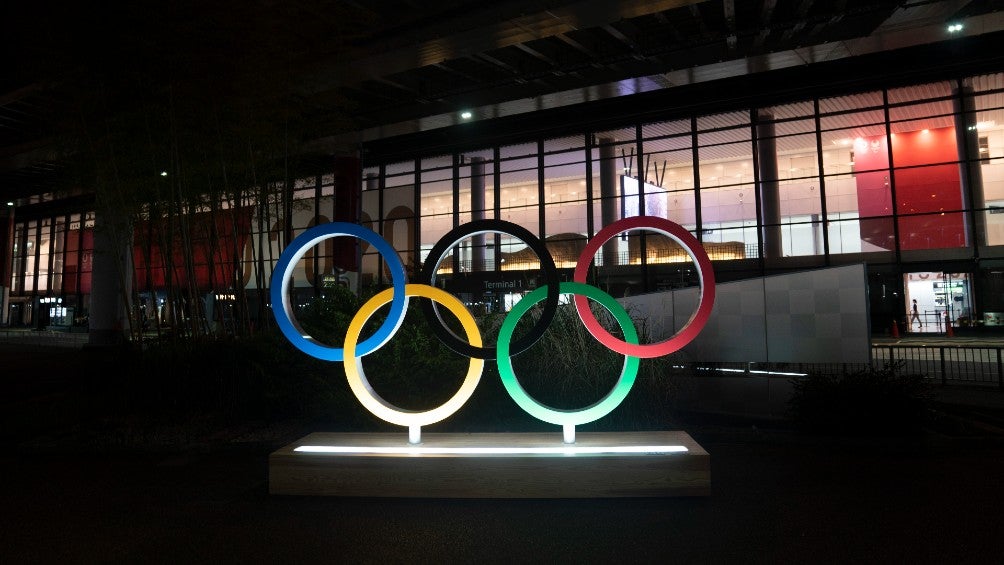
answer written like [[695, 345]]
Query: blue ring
[[284, 272]]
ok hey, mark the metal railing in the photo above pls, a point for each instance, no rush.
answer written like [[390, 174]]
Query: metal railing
[[947, 364], [969, 364], [972, 365], [42, 338]]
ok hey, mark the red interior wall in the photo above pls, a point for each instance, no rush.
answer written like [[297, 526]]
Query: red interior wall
[[223, 252], [77, 261], [925, 189], [935, 188], [871, 165]]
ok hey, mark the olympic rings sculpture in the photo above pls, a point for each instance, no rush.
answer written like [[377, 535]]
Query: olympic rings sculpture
[[353, 350]]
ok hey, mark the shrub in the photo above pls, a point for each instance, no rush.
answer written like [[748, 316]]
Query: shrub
[[261, 377], [569, 369], [872, 401], [266, 377]]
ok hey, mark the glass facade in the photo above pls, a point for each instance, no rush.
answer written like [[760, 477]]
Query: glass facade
[[906, 179]]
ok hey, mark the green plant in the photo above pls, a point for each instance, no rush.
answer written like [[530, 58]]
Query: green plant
[[873, 401], [326, 318], [265, 377], [414, 370], [569, 369]]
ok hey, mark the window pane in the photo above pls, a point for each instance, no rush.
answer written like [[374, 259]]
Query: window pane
[[728, 199], [789, 172], [988, 120], [565, 212], [615, 191], [519, 187]]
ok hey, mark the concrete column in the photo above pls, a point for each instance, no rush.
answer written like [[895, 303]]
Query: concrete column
[[609, 197], [770, 199], [967, 144], [348, 190], [6, 259], [111, 279], [478, 211]]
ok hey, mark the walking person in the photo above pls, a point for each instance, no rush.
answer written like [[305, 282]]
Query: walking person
[[915, 315]]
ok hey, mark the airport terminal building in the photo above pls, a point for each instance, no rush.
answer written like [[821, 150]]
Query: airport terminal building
[[888, 156]]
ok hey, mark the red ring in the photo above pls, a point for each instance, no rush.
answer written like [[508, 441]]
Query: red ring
[[704, 270]]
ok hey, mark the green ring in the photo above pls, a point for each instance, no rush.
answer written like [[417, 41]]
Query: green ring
[[553, 415]]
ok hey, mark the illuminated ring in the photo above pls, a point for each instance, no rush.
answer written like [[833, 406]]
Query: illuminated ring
[[364, 391], [494, 226], [284, 269], [704, 270], [554, 415]]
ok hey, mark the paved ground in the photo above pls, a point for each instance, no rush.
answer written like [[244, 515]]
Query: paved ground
[[777, 497]]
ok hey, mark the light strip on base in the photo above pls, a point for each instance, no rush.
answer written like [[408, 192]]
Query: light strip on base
[[489, 450]]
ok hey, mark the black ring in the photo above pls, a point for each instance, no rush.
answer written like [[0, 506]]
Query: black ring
[[547, 267]]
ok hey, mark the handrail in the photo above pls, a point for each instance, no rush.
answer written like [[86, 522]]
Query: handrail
[[981, 364]]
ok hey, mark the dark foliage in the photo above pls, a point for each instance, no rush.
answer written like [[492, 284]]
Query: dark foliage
[[569, 370], [211, 382], [873, 401]]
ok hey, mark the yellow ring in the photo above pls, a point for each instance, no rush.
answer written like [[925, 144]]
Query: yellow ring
[[364, 391]]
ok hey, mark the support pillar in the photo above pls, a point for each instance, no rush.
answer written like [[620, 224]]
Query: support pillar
[[609, 198], [111, 279], [967, 144], [6, 260], [770, 199], [478, 211], [348, 188]]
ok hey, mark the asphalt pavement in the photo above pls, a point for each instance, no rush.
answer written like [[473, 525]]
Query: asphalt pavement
[[777, 496]]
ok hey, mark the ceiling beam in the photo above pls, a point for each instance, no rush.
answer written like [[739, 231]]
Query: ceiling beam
[[729, 12], [521, 28], [766, 23]]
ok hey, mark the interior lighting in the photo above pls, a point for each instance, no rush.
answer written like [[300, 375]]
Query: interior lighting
[[491, 450]]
